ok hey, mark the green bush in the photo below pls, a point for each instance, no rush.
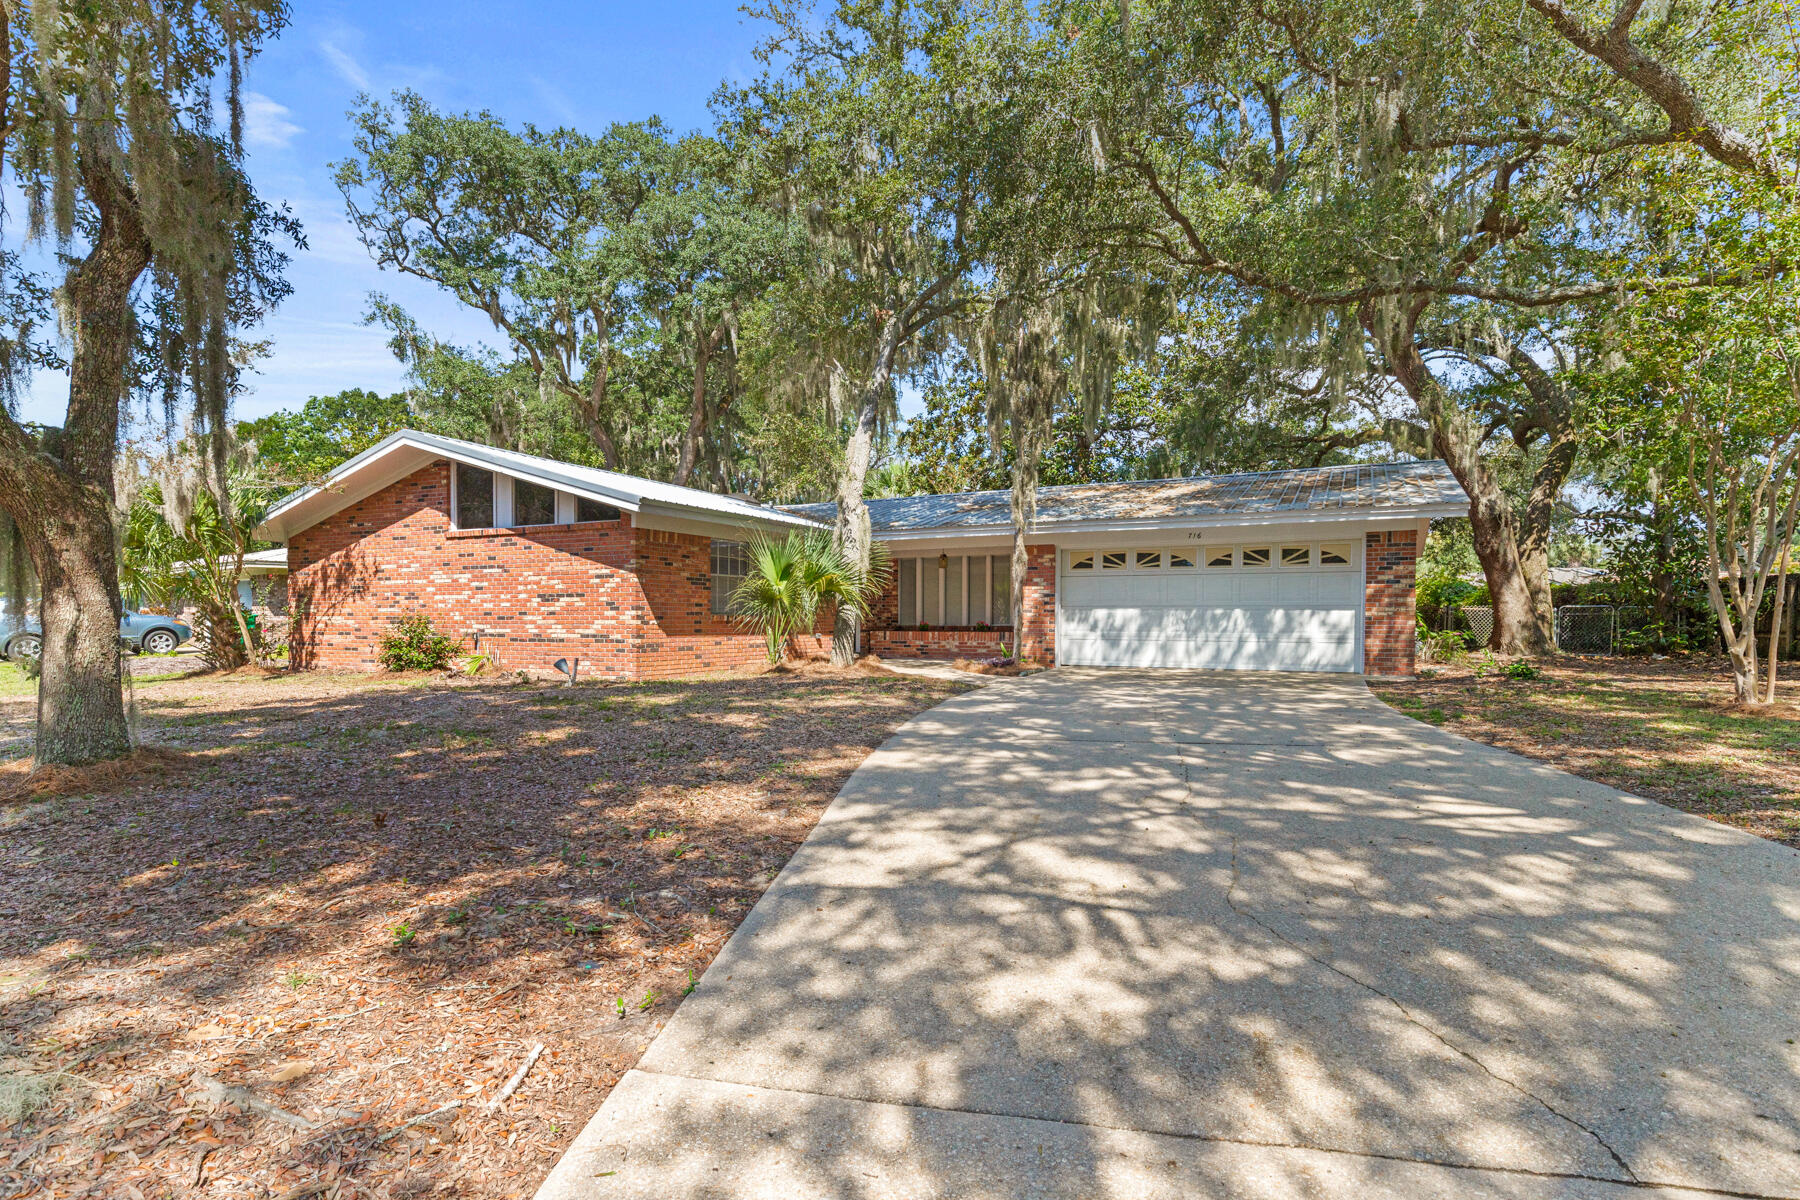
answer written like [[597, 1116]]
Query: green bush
[[413, 645], [1520, 669]]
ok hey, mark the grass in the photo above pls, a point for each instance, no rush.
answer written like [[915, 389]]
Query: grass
[[1661, 729], [14, 681]]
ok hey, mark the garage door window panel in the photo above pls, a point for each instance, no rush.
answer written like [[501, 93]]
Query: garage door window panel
[[1334, 556], [1113, 560], [1219, 558], [1296, 556], [1181, 560], [1149, 560], [1256, 556]]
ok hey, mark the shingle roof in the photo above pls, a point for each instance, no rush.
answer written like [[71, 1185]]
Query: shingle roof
[[1361, 488]]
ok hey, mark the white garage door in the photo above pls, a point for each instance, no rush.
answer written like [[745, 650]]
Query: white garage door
[[1253, 606]]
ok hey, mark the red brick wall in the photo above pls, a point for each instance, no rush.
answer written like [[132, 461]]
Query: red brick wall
[[1389, 614], [937, 643], [630, 603], [1037, 634], [1040, 614], [682, 636]]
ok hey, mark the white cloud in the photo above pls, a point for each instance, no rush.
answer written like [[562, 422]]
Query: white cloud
[[347, 67], [266, 122]]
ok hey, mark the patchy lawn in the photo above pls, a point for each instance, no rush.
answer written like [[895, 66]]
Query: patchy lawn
[[357, 901], [1661, 729]]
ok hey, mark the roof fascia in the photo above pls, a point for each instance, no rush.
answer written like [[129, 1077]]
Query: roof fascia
[[1213, 521]]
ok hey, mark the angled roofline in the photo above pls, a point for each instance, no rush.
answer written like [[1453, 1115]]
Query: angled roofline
[[627, 492]]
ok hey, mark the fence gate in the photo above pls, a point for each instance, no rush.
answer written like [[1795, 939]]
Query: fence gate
[[1587, 628], [1480, 620]]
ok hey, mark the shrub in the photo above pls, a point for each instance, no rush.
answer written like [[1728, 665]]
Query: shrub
[[413, 645], [1520, 669]]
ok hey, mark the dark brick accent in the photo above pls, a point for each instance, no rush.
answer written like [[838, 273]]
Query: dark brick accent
[[1390, 615]]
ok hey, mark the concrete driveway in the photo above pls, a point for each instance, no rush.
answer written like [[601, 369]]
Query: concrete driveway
[[1159, 934]]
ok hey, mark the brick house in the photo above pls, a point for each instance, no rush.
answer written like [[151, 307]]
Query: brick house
[[1308, 570]]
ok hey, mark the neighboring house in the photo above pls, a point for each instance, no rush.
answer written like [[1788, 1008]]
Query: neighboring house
[[1559, 576], [262, 588], [1308, 570]]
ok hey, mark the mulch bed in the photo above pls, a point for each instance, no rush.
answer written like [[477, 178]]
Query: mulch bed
[[1009, 668], [344, 903], [1665, 729]]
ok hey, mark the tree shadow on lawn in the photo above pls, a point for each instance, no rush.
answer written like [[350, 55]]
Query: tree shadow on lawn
[[1331, 960], [400, 886]]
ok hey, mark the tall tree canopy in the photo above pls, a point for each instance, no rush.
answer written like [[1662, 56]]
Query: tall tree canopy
[[621, 267], [110, 130], [1399, 185]]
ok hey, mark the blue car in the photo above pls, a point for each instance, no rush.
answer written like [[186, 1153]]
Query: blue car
[[146, 633]]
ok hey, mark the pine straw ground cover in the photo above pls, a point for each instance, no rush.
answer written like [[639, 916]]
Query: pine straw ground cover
[[359, 900], [1663, 729]]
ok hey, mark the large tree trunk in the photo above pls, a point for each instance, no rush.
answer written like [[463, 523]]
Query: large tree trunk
[[852, 533], [1519, 625], [64, 505], [81, 710], [1547, 485], [699, 417]]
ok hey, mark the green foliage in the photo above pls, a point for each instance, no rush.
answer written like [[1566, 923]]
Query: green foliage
[[621, 269], [412, 644], [304, 446], [1520, 669], [184, 543], [792, 577]]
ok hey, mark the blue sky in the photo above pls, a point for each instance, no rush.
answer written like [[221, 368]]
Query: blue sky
[[584, 65]]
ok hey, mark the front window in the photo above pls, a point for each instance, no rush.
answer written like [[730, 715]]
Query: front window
[[593, 510], [730, 566], [474, 497], [533, 504]]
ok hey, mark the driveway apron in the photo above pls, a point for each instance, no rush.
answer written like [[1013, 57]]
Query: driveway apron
[[1148, 934]]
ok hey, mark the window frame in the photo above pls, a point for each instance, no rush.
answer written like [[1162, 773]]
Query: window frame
[[733, 549], [1267, 552], [513, 517], [1192, 556], [456, 495], [1282, 552], [575, 517], [1212, 555], [1138, 563], [1345, 551], [1124, 557]]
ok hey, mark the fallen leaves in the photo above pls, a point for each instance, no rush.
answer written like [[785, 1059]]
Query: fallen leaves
[[1663, 729], [207, 950]]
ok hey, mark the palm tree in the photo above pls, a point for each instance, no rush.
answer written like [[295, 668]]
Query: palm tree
[[791, 577]]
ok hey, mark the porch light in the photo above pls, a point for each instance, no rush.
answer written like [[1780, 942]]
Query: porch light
[[943, 562]]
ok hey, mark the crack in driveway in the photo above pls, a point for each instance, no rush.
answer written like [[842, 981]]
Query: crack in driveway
[[1413, 1019]]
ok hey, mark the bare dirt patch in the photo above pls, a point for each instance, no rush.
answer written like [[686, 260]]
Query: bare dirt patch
[[365, 900], [1663, 729]]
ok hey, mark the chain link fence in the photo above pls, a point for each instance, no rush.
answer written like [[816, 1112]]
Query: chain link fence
[[1478, 619], [1587, 629]]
